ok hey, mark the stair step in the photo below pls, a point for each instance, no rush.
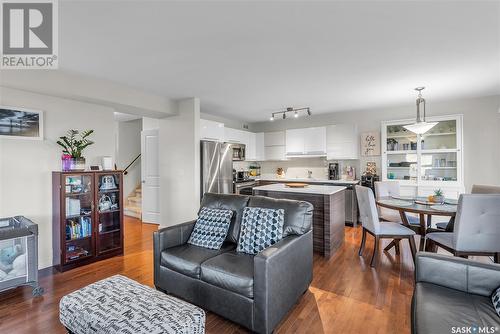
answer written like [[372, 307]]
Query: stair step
[[132, 214], [134, 199], [133, 208], [138, 191]]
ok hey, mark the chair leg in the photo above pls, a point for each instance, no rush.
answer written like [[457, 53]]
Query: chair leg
[[421, 243], [375, 251], [413, 247], [363, 240], [390, 245], [396, 246]]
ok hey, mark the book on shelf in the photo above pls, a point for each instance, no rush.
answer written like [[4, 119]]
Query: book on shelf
[[77, 229]]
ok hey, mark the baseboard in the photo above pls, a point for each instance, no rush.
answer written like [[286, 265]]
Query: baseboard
[[48, 271]]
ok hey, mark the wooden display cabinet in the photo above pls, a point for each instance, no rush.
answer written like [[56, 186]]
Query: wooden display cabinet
[[87, 217]]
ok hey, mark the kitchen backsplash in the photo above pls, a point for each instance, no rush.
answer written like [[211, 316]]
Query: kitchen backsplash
[[297, 168]]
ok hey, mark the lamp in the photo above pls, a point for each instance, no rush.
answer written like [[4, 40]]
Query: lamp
[[420, 126]]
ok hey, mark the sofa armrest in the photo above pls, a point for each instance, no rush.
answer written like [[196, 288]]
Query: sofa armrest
[[167, 237], [457, 273], [282, 273]]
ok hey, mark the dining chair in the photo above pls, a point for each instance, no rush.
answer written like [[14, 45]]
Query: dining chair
[[378, 229], [477, 228], [476, 189], [388, 189]]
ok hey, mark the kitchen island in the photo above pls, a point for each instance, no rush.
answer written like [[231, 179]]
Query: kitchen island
[[328, 213]]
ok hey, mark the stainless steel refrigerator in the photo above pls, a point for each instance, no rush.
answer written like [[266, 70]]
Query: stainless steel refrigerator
[[216, 167]]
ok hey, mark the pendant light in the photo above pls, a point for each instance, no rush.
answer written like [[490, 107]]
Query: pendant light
[[420, 126]]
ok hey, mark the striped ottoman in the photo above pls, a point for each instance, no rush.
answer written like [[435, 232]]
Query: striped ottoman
[[120, 305]]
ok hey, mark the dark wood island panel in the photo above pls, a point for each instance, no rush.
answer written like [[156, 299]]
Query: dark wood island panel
[[328, 217]]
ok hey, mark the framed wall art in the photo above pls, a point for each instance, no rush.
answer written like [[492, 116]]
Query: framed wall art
[[370, 144], [21, 123]]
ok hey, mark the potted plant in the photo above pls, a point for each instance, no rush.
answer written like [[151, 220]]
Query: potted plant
[[438, 196], [73, 145]]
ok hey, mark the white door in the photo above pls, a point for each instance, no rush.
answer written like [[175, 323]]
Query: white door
[[150, 170]]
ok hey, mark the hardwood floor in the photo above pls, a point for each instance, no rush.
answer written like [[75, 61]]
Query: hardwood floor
[[346, 296]]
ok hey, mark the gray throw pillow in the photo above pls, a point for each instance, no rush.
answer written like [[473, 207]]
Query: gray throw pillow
[[495, 298], [211, 228], [260, 228]]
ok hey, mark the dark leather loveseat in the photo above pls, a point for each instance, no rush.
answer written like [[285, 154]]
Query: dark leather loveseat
[[453, 295], [253, 291]]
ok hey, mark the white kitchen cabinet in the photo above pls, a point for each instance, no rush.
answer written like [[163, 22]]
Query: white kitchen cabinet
[[236, 136], [251, 147], [306, 142], [255, 147], [210, 130], [274, 138], [274, 152], [295, 141], [342, 141], [259, 146], [315, 141]]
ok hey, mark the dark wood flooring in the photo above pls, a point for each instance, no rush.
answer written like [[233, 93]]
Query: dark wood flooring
[[346, 296]]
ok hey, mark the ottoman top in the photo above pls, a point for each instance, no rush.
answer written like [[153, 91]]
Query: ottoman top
[[120, 305]]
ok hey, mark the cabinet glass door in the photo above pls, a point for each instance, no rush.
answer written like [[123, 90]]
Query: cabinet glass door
[[109, 212], [78, 209], [402, 166], [400, 139], [438, 166], [443, 136]]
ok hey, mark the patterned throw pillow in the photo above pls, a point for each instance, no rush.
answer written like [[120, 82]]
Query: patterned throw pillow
[[211, 228], [260, 228], [496, 300]]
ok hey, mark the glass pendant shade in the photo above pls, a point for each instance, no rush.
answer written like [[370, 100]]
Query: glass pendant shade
[[420, 127]]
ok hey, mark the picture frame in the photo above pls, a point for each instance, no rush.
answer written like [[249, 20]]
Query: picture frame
[[370, 144], [21, 123]]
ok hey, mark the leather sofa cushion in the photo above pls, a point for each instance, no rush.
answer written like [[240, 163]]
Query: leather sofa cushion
[[235, 203], [187, 259], [298, 214], [230, 271], [438, 309]]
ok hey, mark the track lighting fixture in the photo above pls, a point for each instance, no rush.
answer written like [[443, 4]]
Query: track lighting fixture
[[295, 112]]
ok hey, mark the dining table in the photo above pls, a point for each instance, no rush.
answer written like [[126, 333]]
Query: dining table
[[423, 208]]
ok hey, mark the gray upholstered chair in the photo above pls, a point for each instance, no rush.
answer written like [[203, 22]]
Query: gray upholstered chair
[[380, 230], [388, 189], [453, 293], [477, 228], [476, 189]]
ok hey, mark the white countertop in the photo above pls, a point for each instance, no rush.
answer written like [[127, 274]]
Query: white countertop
[[306, 180], [310, 189]]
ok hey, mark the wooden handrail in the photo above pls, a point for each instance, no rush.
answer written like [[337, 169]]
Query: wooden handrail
[[125, 171]]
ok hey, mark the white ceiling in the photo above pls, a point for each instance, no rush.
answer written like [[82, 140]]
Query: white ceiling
[[246, 59]]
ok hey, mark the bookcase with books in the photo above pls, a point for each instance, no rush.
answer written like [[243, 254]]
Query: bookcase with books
[[87, 217]]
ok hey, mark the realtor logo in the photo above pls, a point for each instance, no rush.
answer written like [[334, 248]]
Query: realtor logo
[[29, 34]]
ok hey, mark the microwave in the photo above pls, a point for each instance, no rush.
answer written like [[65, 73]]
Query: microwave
[[238, 152]]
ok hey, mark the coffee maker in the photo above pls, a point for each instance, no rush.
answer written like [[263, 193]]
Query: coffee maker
[[333, 171]]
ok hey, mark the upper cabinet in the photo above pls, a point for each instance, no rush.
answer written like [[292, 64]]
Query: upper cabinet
[[274, 145], [274, 138], [255, 148], [342, 141], [306, 142], [210, 130], [236, 136]]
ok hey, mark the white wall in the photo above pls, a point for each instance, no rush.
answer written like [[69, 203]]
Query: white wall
[[481, 131], [128, 147], [26, 166], [179, 138]]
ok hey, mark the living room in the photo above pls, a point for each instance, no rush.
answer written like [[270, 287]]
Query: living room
[[343, 152]]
